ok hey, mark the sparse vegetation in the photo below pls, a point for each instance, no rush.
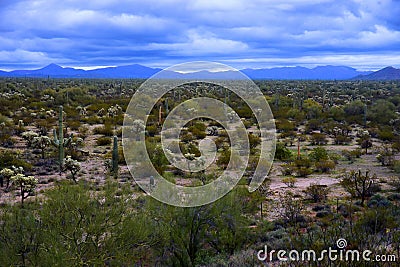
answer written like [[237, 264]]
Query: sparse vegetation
[[319, 188]]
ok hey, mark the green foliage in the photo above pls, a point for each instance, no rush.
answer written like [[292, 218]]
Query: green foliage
[[325, 166], [318, 154], [382, 111], [351, 155], [106, 130], [224, 157], [282, 152], [317, 192], [99, 228], [396, 166], [157, 156], [198, 132], [359, 184], [254, 140], [103, 141], [299, 167], [25, 184], [289, 181], [221, 227], [318, 139], [290, 208], [10, 158]]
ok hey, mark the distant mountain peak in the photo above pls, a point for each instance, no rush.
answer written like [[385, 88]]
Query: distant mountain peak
[[52, 66], [387, 73]]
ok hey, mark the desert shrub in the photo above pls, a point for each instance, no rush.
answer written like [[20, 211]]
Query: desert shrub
[[375, 220], [289, 181], [254, 140], [359, 184], [224, 158], [10, 158], [247, 124], [74, 125], [92, 120], [352, 155], [395, 182], [151, 130], [187, 137], [106, 130], [290, 208], [318, 139], [325, 166], [282, 152], [103, 141], [284, 126], [197, 133], [220, 141], [396, 166], [83, 132], [386, 134], [378, 200], [318, 154], [299, 168], [342, 139], [317, 192], [190, 148], [394, 197], [157, 156]]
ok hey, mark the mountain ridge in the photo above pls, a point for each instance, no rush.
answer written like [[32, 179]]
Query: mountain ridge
[[327, 72], [387, 73]]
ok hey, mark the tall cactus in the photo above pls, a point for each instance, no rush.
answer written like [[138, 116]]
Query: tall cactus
[[115, 157], [59, 141]]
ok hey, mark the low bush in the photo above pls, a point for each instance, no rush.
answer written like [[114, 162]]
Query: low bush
[[103, 141]]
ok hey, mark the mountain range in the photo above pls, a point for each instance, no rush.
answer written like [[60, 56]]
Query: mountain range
[[143, 72]]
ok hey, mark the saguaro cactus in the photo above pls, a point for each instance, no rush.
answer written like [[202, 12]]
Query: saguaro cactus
[[115, 157], [59, 141]]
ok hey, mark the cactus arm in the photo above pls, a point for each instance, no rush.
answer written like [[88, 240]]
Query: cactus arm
[[68, 140], [56, 142], [115, 157]]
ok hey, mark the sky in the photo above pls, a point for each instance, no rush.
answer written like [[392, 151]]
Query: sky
[[364, 34]]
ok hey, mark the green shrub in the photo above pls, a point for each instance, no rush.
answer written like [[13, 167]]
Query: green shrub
[[325, 166], [151, 130], [317, 192], [282, 152], [10, 158], [318, 154], [106, 130], [396, 166], [103, 141]]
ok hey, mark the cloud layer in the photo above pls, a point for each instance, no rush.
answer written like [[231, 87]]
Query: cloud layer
[[261, 33]]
